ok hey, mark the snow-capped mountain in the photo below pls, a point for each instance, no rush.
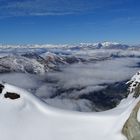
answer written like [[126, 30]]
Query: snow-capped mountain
[[113, 45], [43, 58], [103, 45], [20, 64]]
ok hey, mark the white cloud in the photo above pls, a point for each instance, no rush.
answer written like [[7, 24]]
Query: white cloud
[[93, 74], [80, 105], [51, 7], [78, 79], [84, 79]]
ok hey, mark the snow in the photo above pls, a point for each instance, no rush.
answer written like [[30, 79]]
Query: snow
[[105, 44], [135, 80], [28, 118], [19, 63], [109, 43]]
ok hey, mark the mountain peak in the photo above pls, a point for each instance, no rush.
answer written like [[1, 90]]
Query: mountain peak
[[106, 43]]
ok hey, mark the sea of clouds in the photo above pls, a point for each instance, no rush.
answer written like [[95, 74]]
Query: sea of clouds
[[75, 80], [64, 88]]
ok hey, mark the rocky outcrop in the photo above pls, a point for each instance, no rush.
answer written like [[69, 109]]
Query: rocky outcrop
[[11, 95], [131, 128]]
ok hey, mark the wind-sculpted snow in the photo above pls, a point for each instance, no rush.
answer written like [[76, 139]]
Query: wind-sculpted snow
[[28, 117]]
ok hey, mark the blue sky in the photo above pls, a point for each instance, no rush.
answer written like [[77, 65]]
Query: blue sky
[[69, 21]]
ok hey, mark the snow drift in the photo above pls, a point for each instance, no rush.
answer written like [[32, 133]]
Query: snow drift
[[26, 117]]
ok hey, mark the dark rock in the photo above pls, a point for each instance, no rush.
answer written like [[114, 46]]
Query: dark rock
[[1, 88], [109, 97], [11, 95]]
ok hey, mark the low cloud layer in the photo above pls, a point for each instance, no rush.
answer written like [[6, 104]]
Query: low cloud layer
[[65, 89], [95, 74], [81, 79]]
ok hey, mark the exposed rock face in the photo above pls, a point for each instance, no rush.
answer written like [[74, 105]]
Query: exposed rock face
[[131, 128]]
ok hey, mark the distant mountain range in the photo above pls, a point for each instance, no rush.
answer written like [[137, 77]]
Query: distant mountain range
[[103, 45], [72, 74], [44, 58]]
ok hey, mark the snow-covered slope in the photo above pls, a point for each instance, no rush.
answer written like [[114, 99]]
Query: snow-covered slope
[[20, 64], [25, 117]]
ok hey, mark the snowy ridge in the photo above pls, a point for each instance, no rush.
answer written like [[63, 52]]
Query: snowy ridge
[[20, 64], [28, 117], [134, 82]]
